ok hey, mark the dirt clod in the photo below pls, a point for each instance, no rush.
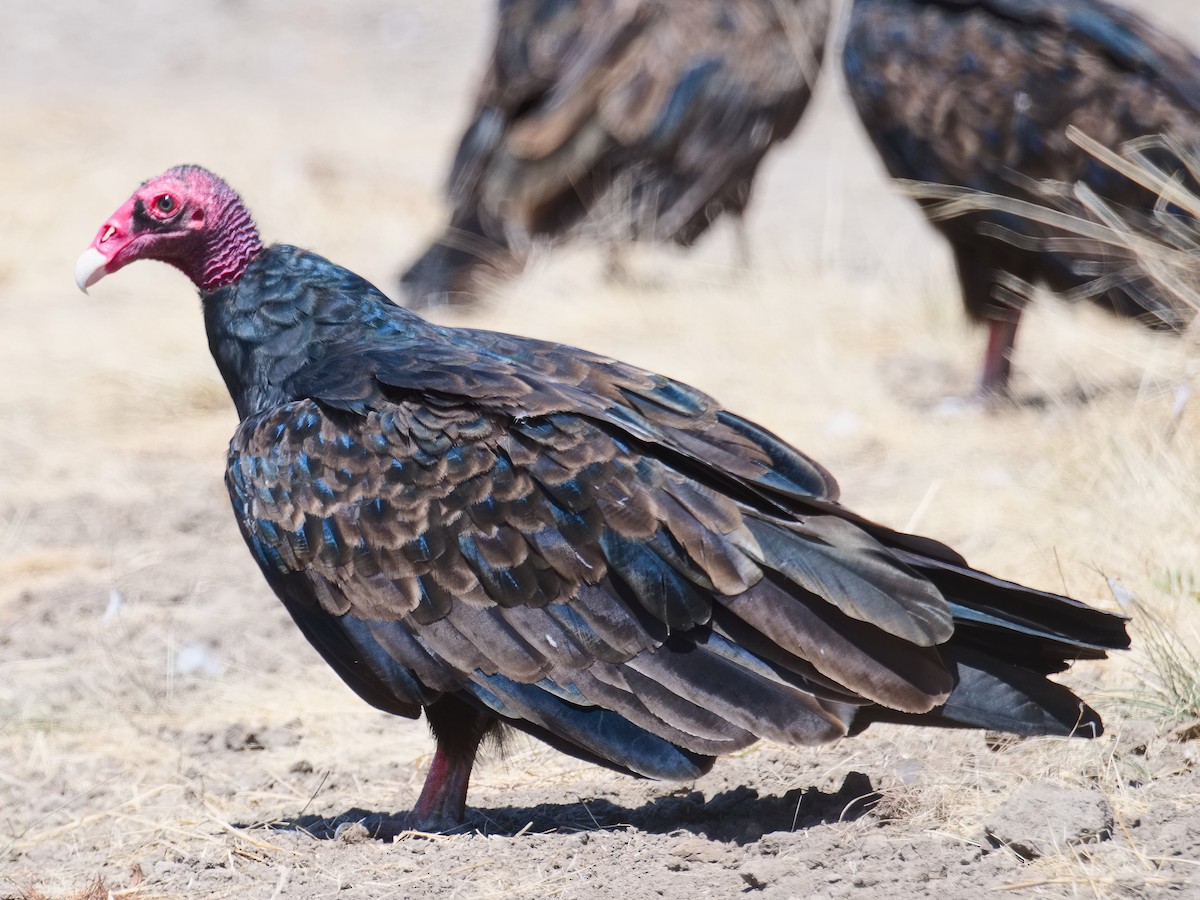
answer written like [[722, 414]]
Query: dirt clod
[[1042, 818], [352, 833]]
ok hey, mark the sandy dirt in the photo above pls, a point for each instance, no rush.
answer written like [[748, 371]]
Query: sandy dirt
[[164, 730]]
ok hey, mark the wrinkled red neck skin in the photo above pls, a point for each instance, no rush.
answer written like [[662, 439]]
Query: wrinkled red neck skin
[[233, 242], [213, 251]]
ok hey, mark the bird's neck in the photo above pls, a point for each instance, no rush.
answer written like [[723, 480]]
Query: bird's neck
[[226, 262], [258, 330], [287, 311], [232, 243]]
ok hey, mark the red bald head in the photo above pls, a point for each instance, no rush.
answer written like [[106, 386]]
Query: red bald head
[[187, 217]]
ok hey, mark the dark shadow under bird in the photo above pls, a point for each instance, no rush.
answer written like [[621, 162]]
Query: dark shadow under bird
[[618, 120], [502, 531], [980, 94]]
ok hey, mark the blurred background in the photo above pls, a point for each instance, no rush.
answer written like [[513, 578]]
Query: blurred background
[[337, 125], [132, 620]]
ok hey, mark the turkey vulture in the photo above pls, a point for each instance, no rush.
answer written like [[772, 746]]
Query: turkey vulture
[[629, 119], [505, 531], [980, 94]]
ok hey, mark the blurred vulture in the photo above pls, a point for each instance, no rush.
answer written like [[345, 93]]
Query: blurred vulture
[[619, 119], [981, 95]]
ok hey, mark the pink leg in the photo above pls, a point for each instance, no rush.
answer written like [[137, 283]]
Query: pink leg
[[997, 358], [443, 801], [458, 729]]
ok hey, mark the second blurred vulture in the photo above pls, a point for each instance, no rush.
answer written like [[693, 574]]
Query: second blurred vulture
[[624, 119], [980, 94]]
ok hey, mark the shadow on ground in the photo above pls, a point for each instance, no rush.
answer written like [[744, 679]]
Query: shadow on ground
[[740, 815]]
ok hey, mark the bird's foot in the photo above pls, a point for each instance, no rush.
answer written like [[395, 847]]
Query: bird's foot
[[980, 401], [412, 825]]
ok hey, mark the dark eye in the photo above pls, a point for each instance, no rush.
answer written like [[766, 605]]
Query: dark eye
[[164, 203]]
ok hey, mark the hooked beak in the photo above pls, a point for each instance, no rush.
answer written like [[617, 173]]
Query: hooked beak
[[89, 268], [101, 258]]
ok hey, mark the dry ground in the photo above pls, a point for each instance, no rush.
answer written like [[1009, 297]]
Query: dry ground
[[157, 708]]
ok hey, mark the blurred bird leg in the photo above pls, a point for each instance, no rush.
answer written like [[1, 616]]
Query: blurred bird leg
[[997, 357], [1183, 393], [616, 270], [743, 256]]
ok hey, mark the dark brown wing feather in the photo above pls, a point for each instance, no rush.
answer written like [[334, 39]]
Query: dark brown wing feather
[[980, 94], [553, 552]]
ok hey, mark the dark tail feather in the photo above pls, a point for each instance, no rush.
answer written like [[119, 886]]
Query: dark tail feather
[[994, 695], [1037, 630], [1007, 638]]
